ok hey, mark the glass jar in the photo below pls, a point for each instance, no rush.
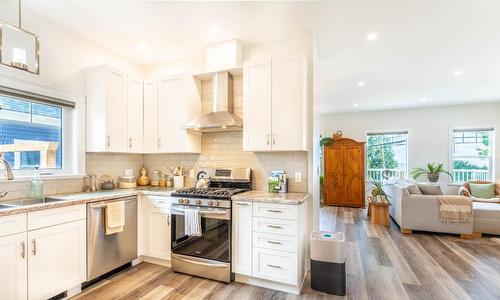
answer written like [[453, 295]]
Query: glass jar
[[163, 180], [170, 182], [155, 179]]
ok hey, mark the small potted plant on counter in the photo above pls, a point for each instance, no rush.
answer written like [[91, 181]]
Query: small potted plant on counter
[[433, 171], [377, 190]]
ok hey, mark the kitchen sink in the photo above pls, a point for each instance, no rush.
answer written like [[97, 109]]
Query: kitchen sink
[[5, 206], [27, 201]]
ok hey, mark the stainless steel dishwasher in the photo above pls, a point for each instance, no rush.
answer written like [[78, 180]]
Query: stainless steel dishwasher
[[108, 252]]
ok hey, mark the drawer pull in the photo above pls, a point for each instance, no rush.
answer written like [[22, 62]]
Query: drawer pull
[[275, 226], [274, 242], [33, 242], [273, 266], [23, 250], [274, 211], [243, 204]]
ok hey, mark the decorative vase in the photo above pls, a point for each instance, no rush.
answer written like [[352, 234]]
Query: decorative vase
[[433, 177], [143, 179]]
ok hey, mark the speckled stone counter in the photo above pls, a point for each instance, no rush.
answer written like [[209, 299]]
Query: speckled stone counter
[[83, 198], [262, 196]]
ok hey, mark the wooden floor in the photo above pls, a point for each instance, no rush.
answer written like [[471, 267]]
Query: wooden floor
[[382, 263]]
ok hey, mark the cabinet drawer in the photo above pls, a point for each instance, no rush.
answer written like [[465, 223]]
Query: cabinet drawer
[[54, 216], [159, 201], [275, 242], [272, 210], [275, 226], [275, 265], [12, 224]]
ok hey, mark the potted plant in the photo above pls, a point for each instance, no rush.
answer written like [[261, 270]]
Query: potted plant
[[433, 171], [377, 190]]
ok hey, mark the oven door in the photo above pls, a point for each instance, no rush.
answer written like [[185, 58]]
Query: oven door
[[214, 243]]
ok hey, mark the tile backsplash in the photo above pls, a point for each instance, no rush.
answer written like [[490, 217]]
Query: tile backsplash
[[22, 189]]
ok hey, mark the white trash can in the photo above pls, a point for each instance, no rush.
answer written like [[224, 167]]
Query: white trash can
[[328, 256]]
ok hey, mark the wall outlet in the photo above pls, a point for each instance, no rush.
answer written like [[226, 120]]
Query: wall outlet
[[298, 177], [191, 173]]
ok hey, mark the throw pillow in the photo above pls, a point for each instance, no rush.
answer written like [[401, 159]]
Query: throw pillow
[[428, 189], [485, 191], [413, 189]]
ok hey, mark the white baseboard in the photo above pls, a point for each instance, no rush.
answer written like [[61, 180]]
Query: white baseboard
[[156, 261], [283, 287]]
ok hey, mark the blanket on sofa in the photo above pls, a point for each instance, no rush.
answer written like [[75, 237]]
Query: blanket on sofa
[[454, 209]]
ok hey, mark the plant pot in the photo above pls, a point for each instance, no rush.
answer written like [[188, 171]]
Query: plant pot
[[376, 192], [433, 177]]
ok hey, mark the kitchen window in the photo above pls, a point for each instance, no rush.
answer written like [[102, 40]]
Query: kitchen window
[[472, 154], [386, 153], [35, 131]]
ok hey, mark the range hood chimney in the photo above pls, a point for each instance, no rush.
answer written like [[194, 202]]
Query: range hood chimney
[[222, 117]]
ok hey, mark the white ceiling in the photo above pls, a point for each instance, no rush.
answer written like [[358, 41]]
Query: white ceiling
[[420, 44]]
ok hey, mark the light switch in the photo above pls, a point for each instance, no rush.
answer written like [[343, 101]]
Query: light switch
[[191, 173], [298, 177]]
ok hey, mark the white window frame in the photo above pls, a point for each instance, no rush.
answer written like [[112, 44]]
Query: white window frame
[[451, 156], [366, 133], [73, 131]]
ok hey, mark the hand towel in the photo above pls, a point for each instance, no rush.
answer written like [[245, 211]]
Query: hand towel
[[115, 217], [192, 222]]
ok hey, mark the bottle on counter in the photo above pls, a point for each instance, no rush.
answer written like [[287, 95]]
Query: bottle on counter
[[36, 184]]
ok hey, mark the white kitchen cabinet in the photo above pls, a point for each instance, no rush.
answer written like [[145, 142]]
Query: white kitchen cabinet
[[135, 115], [13, 270], [242, 237], [275, 105], [157, 218], [150, 117], [56, 259], [178, 103]]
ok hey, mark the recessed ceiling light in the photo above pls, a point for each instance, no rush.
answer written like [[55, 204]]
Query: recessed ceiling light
[[457, 73], [371, 36], [142, 47], [356, 105], [423, 99], [361, 83], [214, 30]]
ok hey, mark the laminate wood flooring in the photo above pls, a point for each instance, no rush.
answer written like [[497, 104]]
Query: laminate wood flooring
[[382, 263]]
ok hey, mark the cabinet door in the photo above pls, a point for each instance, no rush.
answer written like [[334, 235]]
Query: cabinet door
[[13, 273], [178, 103], [354, 175], [134, 115], [57, 259], [289, 104], [150, 117], [334, 176], [242, 238], [257, 106], [116, 110], [158, 240]]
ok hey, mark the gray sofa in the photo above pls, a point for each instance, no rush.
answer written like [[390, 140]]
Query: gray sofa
[[420, 212]]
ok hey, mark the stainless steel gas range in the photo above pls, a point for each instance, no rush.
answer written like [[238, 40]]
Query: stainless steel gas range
[[207, 254]]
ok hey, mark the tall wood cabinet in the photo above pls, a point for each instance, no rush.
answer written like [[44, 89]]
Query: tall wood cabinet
[[344, 173]]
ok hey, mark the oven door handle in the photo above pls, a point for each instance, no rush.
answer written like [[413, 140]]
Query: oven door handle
[[193, 261], [211, 212]]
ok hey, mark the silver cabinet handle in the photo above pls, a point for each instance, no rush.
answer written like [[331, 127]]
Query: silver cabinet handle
[[23, 249], [108, 140], [273, 266], [274, 211], [273, 242], [130, 142], [275, 226], [168, 220], [274, 139], [268, 139], [33, 242], [242, 204], [159, 143]]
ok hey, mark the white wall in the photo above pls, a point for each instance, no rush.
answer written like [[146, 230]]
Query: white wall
[[428, 128]]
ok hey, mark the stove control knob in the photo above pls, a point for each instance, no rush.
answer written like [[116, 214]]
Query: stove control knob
[[186, 201], [198, 202], [210, 202], [216, 203]]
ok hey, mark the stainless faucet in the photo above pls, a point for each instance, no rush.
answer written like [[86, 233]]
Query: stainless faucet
[[6, 165]]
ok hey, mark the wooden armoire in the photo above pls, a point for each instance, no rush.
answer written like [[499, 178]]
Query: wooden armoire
[[344, 172]]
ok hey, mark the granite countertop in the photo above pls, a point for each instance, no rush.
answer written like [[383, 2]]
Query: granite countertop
[[54, 201], [262, 196]]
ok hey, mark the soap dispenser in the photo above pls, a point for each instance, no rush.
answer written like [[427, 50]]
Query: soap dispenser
[[36, 184]]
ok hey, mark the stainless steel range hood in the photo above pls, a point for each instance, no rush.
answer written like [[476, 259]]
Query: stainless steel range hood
[[222, 117]]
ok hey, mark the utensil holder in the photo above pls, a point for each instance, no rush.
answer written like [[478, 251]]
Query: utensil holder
[[179, 182]]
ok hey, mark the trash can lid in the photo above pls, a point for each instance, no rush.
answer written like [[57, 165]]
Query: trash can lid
[[328, 236]]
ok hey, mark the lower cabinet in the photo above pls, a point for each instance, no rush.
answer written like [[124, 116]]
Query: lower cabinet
[[275, 265], [13, 270], [56, 259], [157, 219], [242, 238]]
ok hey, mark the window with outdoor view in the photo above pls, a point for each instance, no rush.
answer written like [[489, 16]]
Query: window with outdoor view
[[472, 154], [387, 152], [34, 132]]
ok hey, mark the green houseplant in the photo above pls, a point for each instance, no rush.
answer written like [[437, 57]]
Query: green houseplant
[[432, 172], [378, 189]]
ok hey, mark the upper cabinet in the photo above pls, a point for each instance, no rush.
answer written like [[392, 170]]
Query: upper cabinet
[[111, 100], [179, 102], [275, 105], [150, 116]]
